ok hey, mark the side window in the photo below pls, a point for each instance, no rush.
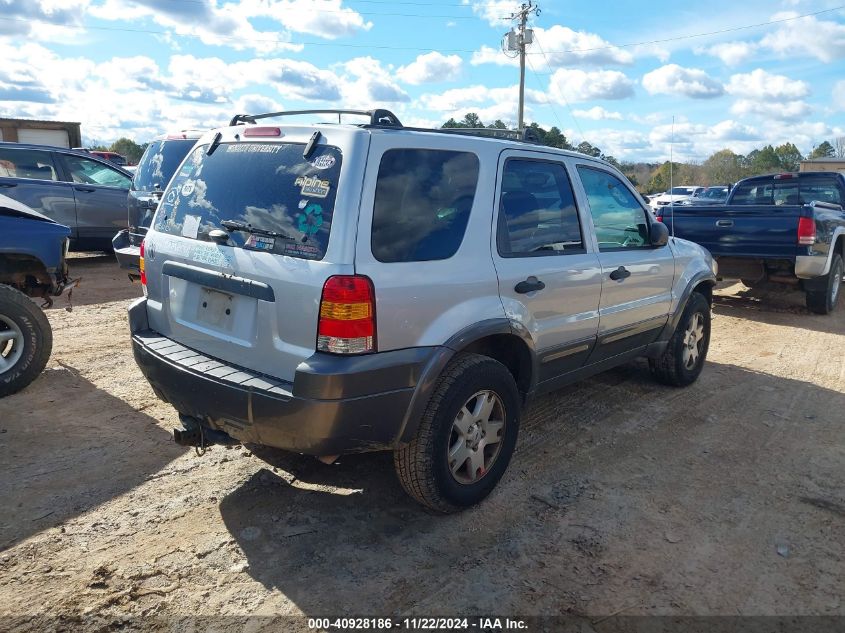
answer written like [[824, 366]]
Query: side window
[[422, 204], [86, 171], [26, 163], [537, 213], [619, 220]]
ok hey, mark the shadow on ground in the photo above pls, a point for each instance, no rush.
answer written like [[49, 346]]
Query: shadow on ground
[[101, 281], [68, 446], [344, 539]]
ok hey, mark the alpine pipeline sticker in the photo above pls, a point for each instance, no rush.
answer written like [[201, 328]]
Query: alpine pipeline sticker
[[313, 186], [323, 162]]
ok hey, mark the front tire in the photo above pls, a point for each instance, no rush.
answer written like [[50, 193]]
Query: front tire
[[824, 301], [26, 340], [466, 436], [682, 361]]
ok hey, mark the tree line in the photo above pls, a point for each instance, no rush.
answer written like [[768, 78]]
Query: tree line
[[721, 168]]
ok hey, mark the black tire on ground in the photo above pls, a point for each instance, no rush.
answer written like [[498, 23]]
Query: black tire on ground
[[824, 300], [423, 465], [749, 283], [16, 309], [672, 367]]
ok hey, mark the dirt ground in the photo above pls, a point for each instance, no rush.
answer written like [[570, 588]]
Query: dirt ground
[[624, 496]]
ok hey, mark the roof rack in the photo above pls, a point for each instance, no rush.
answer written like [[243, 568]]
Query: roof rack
[[378, 117], [381, 118]]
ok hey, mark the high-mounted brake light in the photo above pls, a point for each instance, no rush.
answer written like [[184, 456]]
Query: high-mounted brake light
[[347, 322], [784, 176], [141, 264], [806, 231], [262, 131]]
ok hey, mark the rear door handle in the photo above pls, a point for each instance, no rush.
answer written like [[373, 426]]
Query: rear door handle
[[724, 222], [85, 189], [620, 273], [529, 285]]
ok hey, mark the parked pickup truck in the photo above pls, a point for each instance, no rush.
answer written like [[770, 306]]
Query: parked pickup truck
[[785, 228], [32, 264]]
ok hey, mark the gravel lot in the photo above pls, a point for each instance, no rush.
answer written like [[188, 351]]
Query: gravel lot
[[624, 496]]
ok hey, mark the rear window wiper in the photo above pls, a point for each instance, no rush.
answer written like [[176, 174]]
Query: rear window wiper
[[234, 225]]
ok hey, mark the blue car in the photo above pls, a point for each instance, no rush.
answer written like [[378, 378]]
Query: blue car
[[33, 249]]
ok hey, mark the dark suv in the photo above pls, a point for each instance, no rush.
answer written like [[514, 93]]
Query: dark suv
[[154, 171], [73, 188]]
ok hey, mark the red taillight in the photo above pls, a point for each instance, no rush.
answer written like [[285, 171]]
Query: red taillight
[[806, 231], [659, 218], [262, 131], [347, 322], [141, 264]]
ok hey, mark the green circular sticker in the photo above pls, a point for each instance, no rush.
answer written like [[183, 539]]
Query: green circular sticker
[[311, 219]]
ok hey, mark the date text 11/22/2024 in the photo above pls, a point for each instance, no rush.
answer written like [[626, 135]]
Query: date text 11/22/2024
[[417, 624]]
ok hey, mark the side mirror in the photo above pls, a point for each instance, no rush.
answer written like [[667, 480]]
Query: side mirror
[[658, 234]]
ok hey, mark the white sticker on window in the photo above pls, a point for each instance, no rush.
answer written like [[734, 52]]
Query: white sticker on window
[[191, 226]]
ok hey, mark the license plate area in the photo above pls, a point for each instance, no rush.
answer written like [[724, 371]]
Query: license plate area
[[215, 308]]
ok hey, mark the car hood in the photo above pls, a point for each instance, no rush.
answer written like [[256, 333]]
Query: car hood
[[8, 206]]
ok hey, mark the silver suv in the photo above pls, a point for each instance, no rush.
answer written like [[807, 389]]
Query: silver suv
[[340, 288]]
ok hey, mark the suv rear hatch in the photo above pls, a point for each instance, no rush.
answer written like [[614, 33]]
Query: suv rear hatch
[[240, 246]]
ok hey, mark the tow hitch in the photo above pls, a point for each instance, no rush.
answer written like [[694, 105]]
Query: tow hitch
[[195, 433]]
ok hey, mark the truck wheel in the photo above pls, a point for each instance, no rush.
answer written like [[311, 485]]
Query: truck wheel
[[26, 340], [823, 301], [682, 361], [465, 438]]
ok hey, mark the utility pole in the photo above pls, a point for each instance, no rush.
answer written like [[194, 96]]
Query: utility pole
[[518, 41]]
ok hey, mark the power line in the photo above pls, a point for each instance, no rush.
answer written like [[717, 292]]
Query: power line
[[562, 96]]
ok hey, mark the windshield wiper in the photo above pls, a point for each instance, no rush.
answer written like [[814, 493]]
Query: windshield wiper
[[234, 225]]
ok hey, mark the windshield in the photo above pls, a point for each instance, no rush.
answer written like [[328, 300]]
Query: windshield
[[269, 187], [682, 191], [159, 162], [715, 193]]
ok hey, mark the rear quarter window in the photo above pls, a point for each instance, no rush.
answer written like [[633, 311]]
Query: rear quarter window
[[422, 204], [158, 163]]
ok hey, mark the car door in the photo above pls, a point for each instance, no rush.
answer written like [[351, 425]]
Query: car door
[[30, 176], [636, 276], [101, 193], [549, 273]]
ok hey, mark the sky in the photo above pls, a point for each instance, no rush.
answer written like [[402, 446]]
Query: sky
[[617, 74]]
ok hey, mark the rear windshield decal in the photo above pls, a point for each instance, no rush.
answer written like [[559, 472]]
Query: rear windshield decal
[[310, 220], [323, 162], [191, 226], [258, 148], [313, 186]]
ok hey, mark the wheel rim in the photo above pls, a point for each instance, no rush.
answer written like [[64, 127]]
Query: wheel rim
[[11, 344], [475, 440], [837, 281], [693, 340]]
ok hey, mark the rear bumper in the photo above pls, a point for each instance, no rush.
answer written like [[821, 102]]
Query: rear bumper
[[811, 266], [334, 405], [127, 255]]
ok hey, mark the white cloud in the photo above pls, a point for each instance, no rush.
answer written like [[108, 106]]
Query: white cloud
[[493, 11], [43, 20], [572, 85], [677, 80], [331, 21], [790, 111], [564, 47], [366, 83], [731, 53], [759, 85], [431, 67], [472, 98], [809, 36], [488, 55], [597, 113]]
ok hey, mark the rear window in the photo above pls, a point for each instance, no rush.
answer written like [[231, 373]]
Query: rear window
[[422, 204], [269, 187], [159, 162], [789, 191]]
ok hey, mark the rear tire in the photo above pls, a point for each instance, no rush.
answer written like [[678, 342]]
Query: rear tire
[[682, 361], [465, 438], [824, 300], [26, 340]]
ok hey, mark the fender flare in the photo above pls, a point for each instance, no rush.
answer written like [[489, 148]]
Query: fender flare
[[696, 280], [437, 363]]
